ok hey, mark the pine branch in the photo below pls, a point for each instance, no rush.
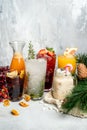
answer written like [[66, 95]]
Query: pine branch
[[78, 97]]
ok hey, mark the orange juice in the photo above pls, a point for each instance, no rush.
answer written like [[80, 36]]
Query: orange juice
[[17, 63], [63, 61]]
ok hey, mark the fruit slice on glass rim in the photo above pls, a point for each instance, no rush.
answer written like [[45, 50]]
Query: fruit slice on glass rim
[[43, 51], [47, 51], [70, 51]]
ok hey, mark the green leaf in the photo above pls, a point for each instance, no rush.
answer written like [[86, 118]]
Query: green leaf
[[50, 49]]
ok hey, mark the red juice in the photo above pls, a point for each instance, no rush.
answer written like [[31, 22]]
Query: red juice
[[15, 88], [51, 61]]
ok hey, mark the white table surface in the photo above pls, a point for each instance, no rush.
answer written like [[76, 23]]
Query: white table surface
[[38, 116]]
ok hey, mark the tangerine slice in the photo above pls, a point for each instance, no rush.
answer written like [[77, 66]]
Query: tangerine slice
[[6, 102], [14, 112], [12, 74], [27, 97], [43, 51], [21, 74], [23, 104], [70, 51]]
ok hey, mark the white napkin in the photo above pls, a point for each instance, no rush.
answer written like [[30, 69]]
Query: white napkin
[[75, 111]]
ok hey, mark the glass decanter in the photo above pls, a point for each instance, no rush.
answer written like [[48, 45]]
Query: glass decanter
[[16, 75], [17, 62]]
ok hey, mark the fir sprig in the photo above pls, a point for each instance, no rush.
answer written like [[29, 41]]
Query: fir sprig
[[78, 97], [31, 53]]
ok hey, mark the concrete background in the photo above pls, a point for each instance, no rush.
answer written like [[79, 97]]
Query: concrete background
[[53, 23]]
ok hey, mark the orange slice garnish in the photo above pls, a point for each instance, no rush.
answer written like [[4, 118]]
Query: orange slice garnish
[[70, 51], [6, 102], [27, 97], [14, 112], [23, 104], [43, 51], [12, 74], [21, 74]]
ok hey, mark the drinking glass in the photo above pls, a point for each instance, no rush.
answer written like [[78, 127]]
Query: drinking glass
[[67, 61], [36, 71], [51, 61]]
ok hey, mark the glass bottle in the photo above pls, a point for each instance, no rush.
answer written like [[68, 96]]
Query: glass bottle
[[16, 75]]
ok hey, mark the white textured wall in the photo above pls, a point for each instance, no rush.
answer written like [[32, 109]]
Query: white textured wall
[[53, 23]]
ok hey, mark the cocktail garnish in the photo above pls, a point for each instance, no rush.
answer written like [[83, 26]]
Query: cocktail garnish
[[14, 112], [50, 49], [31, 53], [6, 102], [22, 74], [27, 97], [70, 51], [23, 104], [12, 74]]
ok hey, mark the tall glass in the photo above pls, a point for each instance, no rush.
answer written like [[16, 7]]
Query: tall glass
[[36, 71], [50, 57], [67, 61], [16, 82]]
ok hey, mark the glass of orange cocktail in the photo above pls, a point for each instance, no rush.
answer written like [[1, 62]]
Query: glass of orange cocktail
[[68, 60]]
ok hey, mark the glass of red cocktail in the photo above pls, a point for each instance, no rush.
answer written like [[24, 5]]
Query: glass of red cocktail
[[49, 55]]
